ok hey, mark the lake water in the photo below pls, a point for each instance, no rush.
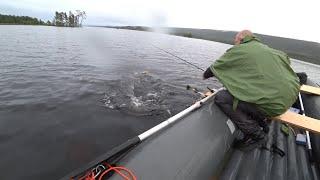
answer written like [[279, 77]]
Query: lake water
[[68, 95]]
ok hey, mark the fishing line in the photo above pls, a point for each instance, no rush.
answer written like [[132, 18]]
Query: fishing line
[[178, 58], [195, 90]]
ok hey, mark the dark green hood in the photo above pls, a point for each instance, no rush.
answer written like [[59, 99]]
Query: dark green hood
[[256, 73]]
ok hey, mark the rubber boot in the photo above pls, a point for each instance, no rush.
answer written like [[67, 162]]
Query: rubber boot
[[250, 142]]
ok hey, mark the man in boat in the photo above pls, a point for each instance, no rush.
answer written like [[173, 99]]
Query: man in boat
[[260, 84]]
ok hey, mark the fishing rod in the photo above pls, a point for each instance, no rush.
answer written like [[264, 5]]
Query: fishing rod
[[195, 90], [118, 152], [179, 58]]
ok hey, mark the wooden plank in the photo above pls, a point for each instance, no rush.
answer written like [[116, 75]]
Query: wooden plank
[[310, 89], [301, 121]]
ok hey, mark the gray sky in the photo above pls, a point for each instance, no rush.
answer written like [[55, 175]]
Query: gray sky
[[286, 18]]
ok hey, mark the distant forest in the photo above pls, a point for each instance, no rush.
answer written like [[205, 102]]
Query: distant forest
[[25, 20], [60, 19], [71, 20], [298, 49]]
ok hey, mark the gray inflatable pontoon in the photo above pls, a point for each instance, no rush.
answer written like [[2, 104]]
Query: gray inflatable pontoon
[[198, 145]]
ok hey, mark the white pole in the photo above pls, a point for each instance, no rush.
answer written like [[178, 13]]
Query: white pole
[[307, 132], [176, 117]]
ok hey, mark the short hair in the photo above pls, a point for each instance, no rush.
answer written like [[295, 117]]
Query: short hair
[[245, 33], [241, 35]]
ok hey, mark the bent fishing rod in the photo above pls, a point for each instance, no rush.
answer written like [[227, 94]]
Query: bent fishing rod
[[195, 90], [119, 152], [179, 58]]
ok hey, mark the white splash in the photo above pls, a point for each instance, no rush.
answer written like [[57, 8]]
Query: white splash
[[136, 101]]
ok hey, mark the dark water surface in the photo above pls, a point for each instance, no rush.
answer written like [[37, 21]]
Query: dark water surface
[[68, 95]]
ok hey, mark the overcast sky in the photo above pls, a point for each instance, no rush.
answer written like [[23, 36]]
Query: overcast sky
[[297, 19]]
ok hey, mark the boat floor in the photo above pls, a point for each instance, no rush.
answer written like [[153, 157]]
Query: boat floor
[[178, 153], [264, 164]]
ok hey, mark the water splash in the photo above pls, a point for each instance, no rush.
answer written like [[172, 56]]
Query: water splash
[[142, 94]]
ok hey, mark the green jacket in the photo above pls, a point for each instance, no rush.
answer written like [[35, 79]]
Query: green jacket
[[255, 73]]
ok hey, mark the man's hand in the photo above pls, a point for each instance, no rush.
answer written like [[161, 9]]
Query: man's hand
[[207, 74]]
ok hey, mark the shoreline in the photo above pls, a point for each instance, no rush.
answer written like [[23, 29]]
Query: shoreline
[[306, 51]]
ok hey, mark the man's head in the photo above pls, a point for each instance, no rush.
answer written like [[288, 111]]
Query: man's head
[[241, 35]]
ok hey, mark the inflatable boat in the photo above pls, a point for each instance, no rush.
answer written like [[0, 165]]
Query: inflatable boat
[[197, 143]]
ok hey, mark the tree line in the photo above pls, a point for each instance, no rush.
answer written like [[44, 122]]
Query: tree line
[[71, 20], [26, 20], [60, 19]]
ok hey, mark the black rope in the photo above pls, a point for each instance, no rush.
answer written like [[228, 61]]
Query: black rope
[[179, 58]]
